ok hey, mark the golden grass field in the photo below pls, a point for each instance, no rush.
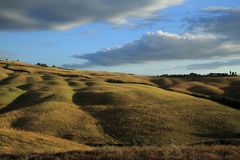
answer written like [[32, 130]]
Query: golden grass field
[[48, 110]]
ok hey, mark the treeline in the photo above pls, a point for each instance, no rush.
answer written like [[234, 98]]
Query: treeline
[[44, 65], [230, 74]]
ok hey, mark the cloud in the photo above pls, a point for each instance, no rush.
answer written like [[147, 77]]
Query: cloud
[[147, 22], [62, 14], [218, 20], [212, 35], [214, 65], [162, 46]]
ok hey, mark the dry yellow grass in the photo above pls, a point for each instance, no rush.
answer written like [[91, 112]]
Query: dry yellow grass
[[209, 86], [140, 114], [198, 87], [13, 141], [59, 119], [112, 108], [202, 152]]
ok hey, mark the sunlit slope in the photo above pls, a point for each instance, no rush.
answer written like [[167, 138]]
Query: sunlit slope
[[110, 109], [46, 107], [13, 141], [34, 69], [62, 120]]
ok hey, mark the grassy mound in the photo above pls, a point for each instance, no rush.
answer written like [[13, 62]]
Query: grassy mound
[[15, 79], [59, 119], [198, 87], [103, 93], [207, 86], [13, 141], [21, 79], [144, 115], [8, 94], [116, 109], [3, 75], [126, 79]]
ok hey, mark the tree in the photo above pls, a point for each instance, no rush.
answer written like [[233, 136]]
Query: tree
[[42, 64]]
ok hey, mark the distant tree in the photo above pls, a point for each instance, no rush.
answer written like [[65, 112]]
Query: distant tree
[[193, 74], [42, 64], [231, 73]]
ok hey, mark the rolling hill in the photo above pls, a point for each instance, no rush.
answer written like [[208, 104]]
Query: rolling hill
[[13, 141], [101, 108], [212, 86]]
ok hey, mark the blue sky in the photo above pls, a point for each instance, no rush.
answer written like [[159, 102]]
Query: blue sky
[[159, 37]]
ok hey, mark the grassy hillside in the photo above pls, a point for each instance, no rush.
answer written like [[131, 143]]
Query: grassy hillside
[[100, 108], [13, 141], [146, 115], [210, 86]]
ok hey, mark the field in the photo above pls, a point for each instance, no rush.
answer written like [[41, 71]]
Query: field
[[54, 112]]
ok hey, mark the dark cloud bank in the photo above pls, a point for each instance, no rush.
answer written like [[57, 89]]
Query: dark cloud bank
[[62, 14]]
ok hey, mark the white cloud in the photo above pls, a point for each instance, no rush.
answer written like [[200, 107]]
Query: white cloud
[[162, 46], [213, 35]]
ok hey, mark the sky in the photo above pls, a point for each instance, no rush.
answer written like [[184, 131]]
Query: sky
[[133, 36]]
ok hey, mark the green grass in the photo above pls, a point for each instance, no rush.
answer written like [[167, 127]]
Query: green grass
[[8, 94]]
